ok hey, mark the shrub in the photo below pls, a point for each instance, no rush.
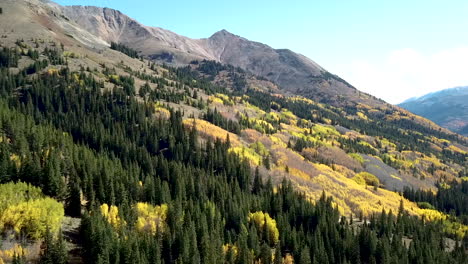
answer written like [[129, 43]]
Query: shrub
[[366, 178], [26, 210], [151, 218], [263, 222], [425, 205]]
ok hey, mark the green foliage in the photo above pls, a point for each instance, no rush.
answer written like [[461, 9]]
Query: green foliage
[[92, 147], [425, 205], [8, 57], [125, 50], [357, 157], [214, 117], [450, 198], [15, 193], [366, 178], [54, 250], [259, 148]]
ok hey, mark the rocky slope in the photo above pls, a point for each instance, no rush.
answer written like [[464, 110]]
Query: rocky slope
[[294, 73], [448, 108]]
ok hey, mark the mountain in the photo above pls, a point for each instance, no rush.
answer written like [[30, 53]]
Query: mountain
[[448, 108], [199, 161], [293, 72]]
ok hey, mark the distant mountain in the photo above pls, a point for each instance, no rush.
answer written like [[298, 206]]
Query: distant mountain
[[448, 108]]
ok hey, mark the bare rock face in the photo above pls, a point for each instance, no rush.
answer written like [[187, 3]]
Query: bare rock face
[[157, 43], [294, 72]]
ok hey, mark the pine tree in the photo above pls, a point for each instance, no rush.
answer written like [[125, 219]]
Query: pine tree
[[257, 184], [305, 256], [265, 254], [53, 250], [278, 257]]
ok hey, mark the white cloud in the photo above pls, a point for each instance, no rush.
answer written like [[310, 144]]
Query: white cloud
[[407, 73]]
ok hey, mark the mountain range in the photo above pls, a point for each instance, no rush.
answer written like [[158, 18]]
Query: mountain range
[[448, 108], [295, 73]]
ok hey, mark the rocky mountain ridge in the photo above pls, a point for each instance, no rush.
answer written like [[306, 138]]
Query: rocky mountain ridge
[[294, 73]]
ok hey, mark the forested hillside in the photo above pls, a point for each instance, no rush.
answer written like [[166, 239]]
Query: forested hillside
[[132, 166]]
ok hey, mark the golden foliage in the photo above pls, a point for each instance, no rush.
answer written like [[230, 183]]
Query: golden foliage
[[396, 177], [449, 226], [386, 143], [259, 148], [162, 112], [456, 149], [357, 157], [215, 100], [114, 78], [299, 173], [249, 154], [432, 159], [8, 254], [261, 219], [16, 159], [206, 129], [230, 247], [364, 106], [366, 178], [324, 130], [33, 217], [151, 218], [272, 117], [276, 140], [301, 99], [432, 215], [14, 193], [350, 196], [69, 54], [52, 71], [111, 214], [362, 116], [287, 116], [25, 209], [288, 259]]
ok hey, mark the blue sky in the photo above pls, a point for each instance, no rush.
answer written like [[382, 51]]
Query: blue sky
[[391, 49]]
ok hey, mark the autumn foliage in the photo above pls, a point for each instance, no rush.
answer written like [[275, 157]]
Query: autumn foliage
[[151, 219], [25, 210], [266, 225]]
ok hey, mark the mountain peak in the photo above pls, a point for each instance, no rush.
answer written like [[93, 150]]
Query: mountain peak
[[223, 33]]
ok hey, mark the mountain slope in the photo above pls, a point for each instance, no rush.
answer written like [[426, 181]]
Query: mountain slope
[[255, 110], [112, 26], [294, 73], [448, 108]]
